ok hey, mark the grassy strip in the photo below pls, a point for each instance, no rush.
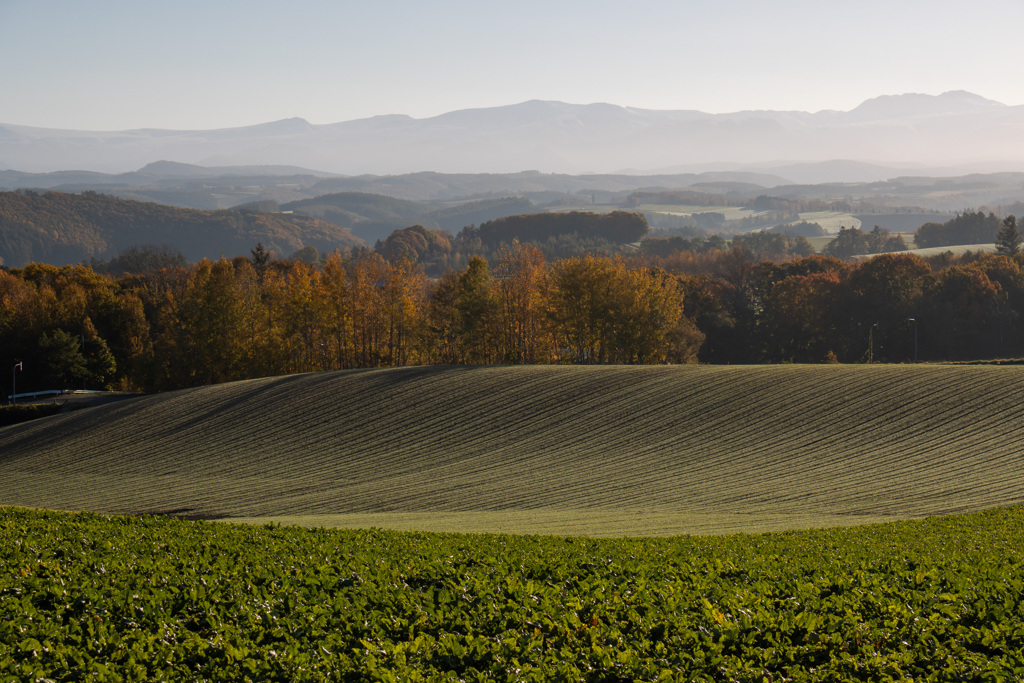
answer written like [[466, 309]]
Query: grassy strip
[[617, 523], [84, 596]]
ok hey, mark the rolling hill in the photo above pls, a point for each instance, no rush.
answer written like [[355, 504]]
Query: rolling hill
[[60, 228], [373, 217], [542, 449]]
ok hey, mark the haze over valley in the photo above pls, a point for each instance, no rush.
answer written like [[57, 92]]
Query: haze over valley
[[891, 135]]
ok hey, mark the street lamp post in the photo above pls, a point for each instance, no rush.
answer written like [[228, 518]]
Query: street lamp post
[[14, 386], [914, 320]]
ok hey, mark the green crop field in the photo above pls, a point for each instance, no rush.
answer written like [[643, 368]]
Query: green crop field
[[554, 450], [84, 597]]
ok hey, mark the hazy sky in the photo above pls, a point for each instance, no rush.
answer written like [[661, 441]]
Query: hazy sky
[[113, 64]]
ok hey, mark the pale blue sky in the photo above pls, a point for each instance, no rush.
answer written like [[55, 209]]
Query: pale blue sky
[[114, 64]]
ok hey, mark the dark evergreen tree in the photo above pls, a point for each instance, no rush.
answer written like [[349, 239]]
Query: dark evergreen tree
[[62, 361], [1008, 238], [260, 259]]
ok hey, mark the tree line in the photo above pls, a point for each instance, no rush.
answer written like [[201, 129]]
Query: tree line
[[224, 320], [215, 321], [894, 307]]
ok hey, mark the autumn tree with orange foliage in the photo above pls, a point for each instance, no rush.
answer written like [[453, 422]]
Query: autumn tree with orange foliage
[[520, 288], [601, 312]]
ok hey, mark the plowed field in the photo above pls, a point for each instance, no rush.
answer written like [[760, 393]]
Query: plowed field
[[577, 450]]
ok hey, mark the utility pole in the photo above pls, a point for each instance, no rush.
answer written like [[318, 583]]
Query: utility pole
[[14, 378]]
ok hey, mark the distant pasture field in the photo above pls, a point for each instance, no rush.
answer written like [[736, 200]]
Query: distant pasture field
[[543, 449], [831, 221], [820, 242], [585, 208], [731, 213], [956, 250]]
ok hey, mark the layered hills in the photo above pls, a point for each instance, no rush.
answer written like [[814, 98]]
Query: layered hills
[[552, 449], [373, 216]]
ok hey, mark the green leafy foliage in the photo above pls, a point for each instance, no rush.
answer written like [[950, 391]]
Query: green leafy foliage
[[88, 597]]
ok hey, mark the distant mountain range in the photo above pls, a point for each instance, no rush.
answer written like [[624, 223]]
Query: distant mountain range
[[949, 134]]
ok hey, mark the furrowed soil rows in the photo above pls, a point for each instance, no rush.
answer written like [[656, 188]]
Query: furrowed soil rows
[[731, 443]]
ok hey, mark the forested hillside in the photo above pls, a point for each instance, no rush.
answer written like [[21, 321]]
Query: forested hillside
[[617, 227], [55, 227]]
